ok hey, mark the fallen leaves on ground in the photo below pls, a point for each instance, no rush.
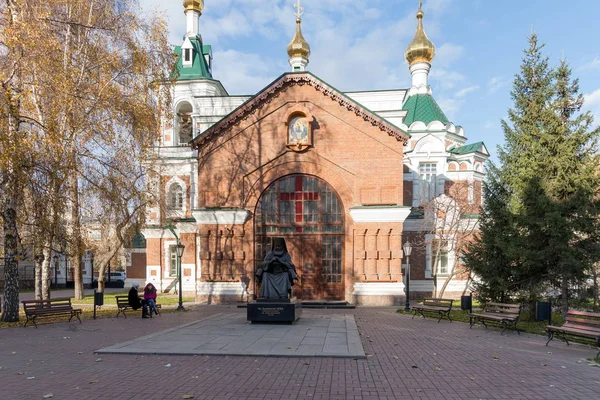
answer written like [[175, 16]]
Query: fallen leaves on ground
[[496, 357], [99, 359], [187, 396], [48, 396]]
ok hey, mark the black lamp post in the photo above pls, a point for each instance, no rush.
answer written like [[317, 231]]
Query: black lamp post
[[180, 249], [407, 250], [55, 271], [91, 269]]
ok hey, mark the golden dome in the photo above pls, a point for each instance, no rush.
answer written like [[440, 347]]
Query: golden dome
[[421, 49], [195, 5], [298, 47]]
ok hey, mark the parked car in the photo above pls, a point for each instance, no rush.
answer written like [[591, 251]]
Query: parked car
[[117, 280], [117, 276]]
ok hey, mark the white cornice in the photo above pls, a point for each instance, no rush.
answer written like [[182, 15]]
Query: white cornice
[[380, 214], [221, 217]]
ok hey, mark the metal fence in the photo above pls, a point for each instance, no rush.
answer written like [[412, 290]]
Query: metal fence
[[26, 277]]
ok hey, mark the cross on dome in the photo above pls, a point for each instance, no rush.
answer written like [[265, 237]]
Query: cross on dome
[[299, 10]]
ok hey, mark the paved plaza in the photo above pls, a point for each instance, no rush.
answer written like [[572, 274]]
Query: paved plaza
[[334, 335], [405, 359]]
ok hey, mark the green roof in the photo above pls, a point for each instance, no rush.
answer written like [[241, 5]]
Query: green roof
[[423, 108], [199, 68], [466, 149]]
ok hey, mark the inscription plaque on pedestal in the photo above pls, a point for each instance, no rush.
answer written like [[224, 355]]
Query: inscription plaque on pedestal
[[288, 312]]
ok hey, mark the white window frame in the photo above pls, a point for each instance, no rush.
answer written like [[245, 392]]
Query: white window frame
[[176, 213], [429, 238], [167, 245], [430, 180]]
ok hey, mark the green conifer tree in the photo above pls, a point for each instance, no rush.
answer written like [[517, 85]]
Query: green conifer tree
[[541, 205], [493, 257], [573, 183]]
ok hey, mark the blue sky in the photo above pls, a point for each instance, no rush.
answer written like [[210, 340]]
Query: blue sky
[[359, 45]]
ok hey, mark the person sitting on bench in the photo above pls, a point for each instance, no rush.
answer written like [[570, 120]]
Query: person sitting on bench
[[150, 297], [134, 300]]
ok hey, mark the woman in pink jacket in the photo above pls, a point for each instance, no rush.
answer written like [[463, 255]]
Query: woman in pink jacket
[[150, 297]]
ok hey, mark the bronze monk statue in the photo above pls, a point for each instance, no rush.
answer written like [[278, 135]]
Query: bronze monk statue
[[277, 274]]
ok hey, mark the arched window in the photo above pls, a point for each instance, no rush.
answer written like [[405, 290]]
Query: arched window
[[184, 123], [175, 201]]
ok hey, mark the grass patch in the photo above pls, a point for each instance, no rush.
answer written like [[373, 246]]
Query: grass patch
[[87, 313], [535, 327], [109, 299]]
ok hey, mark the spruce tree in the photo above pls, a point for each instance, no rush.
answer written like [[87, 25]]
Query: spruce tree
[[493, 257], [523, 162], [573, 182], [538, 222]]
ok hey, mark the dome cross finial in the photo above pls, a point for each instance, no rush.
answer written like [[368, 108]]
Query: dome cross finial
[[299, 10]]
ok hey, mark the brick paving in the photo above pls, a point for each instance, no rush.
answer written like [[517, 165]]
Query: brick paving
[[406, 359]]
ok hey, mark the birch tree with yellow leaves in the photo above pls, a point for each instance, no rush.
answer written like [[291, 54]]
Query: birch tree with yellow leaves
[[79, 80]]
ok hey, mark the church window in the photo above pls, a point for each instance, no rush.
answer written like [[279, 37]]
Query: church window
[[428, 178], [440, 256], [173, 260], [443, 263], [188, 55], [175, 197]]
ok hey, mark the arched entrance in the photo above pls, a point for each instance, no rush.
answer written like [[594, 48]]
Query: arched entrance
[[309, 215]]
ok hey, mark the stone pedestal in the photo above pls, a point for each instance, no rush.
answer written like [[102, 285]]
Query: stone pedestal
[[274, 311]]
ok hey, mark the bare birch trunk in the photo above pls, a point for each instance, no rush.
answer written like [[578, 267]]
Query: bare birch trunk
[[76, 243], [11, 269], [46, 268], [39, 261]]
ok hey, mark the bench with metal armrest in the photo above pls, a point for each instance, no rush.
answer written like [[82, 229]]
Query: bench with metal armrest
[[35, 309], [504, 314], [579, 324], [439, 306]]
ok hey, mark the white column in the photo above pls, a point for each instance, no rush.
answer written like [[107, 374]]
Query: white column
[[298, 64], [420, 75], [193, 19]]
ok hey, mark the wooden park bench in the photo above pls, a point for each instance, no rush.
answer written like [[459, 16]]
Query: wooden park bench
[[439, 306], [35, 309], [579, 324], [501, 313], [123, 305]]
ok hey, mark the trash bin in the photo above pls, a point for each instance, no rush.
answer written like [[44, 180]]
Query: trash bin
[[466, 303], [543, 309], [98, 298]]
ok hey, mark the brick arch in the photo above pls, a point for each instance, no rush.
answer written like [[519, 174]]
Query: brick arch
[[268, 177]]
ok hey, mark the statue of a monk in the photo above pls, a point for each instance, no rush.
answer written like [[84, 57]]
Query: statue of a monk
[[277, 274]]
